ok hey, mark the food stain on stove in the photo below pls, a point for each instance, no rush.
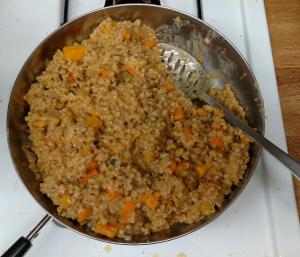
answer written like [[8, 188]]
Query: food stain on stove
[[181, 255], [107, 249], [155, 255]]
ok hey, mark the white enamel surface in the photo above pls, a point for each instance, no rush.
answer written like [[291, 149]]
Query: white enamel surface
[[262, 222]]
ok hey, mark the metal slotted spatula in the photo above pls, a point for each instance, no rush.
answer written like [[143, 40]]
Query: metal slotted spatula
[[190, 77]]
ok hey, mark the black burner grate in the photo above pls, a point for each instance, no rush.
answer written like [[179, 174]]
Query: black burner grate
[[110, 2]]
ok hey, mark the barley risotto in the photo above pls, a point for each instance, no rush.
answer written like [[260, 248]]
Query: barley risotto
[[117, 147]]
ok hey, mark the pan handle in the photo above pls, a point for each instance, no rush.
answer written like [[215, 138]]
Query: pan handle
[[19, 248], [22, 245]]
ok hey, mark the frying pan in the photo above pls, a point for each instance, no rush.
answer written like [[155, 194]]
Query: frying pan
[[220, 60]]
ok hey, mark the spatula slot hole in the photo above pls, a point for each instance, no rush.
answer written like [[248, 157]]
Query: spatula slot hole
[[195, 83], [170, 58], [162, 51], [182, 69], [176, 65], [189, 76]]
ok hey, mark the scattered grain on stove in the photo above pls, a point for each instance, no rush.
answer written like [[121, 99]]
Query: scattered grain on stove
[[107, 249]]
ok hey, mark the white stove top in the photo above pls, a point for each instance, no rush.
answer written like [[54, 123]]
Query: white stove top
[[262, 222]]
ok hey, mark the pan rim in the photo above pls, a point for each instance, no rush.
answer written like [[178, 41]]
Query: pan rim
[[179, 12]]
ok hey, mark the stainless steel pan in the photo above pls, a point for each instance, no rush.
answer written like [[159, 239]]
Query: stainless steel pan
[[221, 62]]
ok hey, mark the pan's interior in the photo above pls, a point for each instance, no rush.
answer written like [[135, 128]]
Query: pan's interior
[[218, 57]]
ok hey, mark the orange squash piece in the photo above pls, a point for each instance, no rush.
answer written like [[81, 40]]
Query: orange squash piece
[[179, 166], [127, 210], [182, 166], [206, 208], [201, 170], [104, 73], [74, 53], [173, 165], [93, 165], [92, 171], [114, 194], [201, 112], [152, 42], [126, 35], [149, 156], [188, 133], [89, 174], [140, 37], [86, 151], [108, 230], [169, 87], [130, 69], [84, 215], [179, 113], [39, 123], [151, 201], [217, 142], [71, 79], [93, 121], [64, 201]]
